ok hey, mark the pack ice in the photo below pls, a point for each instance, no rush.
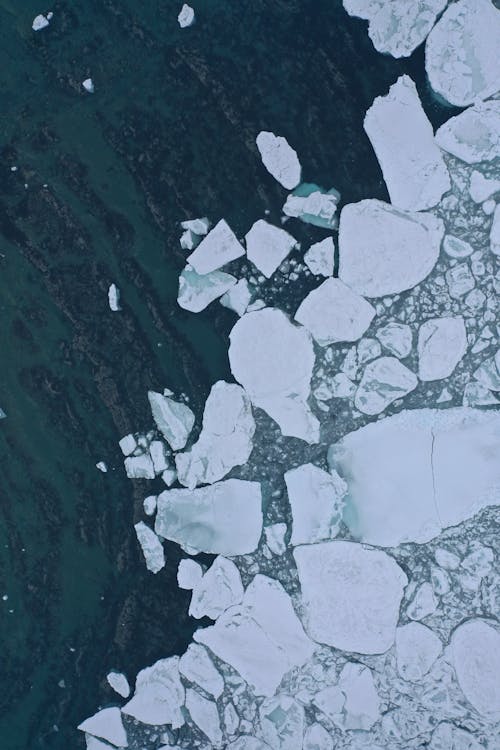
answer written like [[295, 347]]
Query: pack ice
[[473, 135], [414, 474]]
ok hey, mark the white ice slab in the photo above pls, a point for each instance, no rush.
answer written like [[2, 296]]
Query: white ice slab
[[396, 338], [88, 85], [495, 232], [197, 291], [316, 207], [219, 589], [482, 188], [316, 499], [159, 694], [189, 574], [238, 297], [320, 257], [127, 444], [151, 547], [442, 342], [219, 247], [106, 724], [197, 667], [352, 704], [417, 648], [275, 537], [384, 380], [475, 651], [282, 721], [139, 467], [279, 158], [174, 419], [40, 22], [268, 246], [114, 298], [119, 683], [186, 16], [473, 135]]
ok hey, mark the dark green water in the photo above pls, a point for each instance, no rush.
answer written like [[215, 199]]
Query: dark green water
[[169, 134]]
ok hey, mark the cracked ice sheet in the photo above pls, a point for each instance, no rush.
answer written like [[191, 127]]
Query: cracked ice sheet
[[411, 475], [473, 135]]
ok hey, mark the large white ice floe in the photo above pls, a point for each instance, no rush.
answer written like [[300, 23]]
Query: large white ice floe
[[219, 589], [461, 54], [473, 135], [262, 638], [159, 694], [219, 247], [353, 703], [225, 440], [320, 257], [119, 683], [197, 667], [384, 380], [273, 360], [316, 500], [396, 338], [442, 342], [384, 250], [411, 475], [174, 420], [475, 654], [106, 724], [333, 312], [417, 648], [397, 27], [279, 158], [480, 187], [197, 291], [139, 467], [350, 595], [223, 518], [312, 205], [402, 137], [151, 547], [282, 722], [268, 246], [205, 715]]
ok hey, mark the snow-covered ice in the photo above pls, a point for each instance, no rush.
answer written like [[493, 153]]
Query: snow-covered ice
[[320, 257], [461, 53], [219, 247], [316, 500], [423, 602], [268, 246], [186, 16], [456, 248], [402, 137], [482, 188], [417, 648], [114, 298], [119, 683], [238, 297], [275, 537], [101, 465], [139, 467], [384, 380], [223, 518], [475, 651], [332, 312], [151, 547], [273, 360], [495, 232], [149, 505], [88, 85], [279, 158], [473, 135], [442, 342], [282, 722], [353, 703], [384, 250], [460, 280], [40, 22], [189, 574], [219, 589], [106, 724], [197, 667], [159, 694], [127, 444], [313, 206], [197, 291], [205, 715], [396, 338], [350, 595], [174, 420]]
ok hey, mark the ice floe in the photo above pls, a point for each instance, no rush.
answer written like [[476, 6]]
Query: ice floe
[[384, 380], [320, 257], [352, 704], [402, 137], [106, 724], [442, 342], [114, 298], [186, 16], [219, 247], [417, 648], [279, 158], [189, 574], [495, 232], [475, 651], [139, 467], [397, 338], [268, 246], [482, 188], [40, 22], [88, 85], [174, 419], [473, 135], [159, 694], [316, 499], [312, 205], [238, 297], [205, 715], [197, 291], [197, 667], [151, 547], [219, 589], [119, 683]]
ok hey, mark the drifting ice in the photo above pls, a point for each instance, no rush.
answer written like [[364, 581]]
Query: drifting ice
[[279, 159]]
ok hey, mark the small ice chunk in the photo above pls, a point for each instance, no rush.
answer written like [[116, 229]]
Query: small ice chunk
[[279, 159], [397, 27], [151, 547], [114, 298], [461, 53], [442, 342], [475, 650], [219, 589], [159, 695], [316, 499], [3, 415], [460, 280], [127, 444], [40, 22], [423, 602], [219, 247], [317, 738], [446, 559], [332, 312], [174, 420], [238, 297], [313, 206], [88, 85], [282, 722], [384, 250], [261, 638], [447, 736], [384, 380], [368, 349], [119, 683], [197, 291], [320, 257], [199, 227], [169, 476], [495, 232], [275, 537], [473, 135], [353, 704], [186, 16], [223, 518], [273, 360], [205, 715], [106, 724], [481, 188], [350, 595], [488, 373], [403, 140], [342, 386], [417, 648], [158, 456], [139, 467], [102, 466], [456, 248], [268, 246], [189, 574], [149, 505], [197, 667], [396, 338], [488, 207]]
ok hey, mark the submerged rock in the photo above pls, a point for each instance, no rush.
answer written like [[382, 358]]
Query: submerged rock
[[279, 158], [219, 247], [174, 420], [473, 135], [268, 246]]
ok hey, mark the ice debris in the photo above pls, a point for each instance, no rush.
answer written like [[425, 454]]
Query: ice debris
[[88, 85], [189, 574], [279, 159], [275, 537], [268, 246], [352, 704], [316, 499], [473, 135], [312, 205], [320, 257], [119, 683], [174, 419], [101, 465], [384, 380], [186, 16], [40, 22], [114, 298], [106, 724], [219, 247], [219, 589], [197, 291], [151, 547], [159, 694]]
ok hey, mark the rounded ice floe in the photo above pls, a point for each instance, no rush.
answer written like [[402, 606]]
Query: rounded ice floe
[[279, 158], [475, 652], [417, 648], [473, 135], [320, 257], [482, 188], [396, 338], [423, 603], [332, 312], [119, 683], [106, 724], [268, 246], [384, 380], [403, 140], [350, 595], [174, 419], [315, 498], [413, 474], [397, 27], [40, 22], [189, 574], [186, 16], [456, 248], [384, 250], [114, 298], [273, 360], [442, 342], [461, 53], [88, 85]]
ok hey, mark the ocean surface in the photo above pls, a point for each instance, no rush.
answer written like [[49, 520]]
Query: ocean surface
[[101, 184]]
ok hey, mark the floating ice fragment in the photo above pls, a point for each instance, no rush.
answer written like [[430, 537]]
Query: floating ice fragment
[[279, 159], [88, 85], [3, 415], [158, 456], [316, 499], [205, 715], [106, 724], [223, 518], [317, 738], [446, 559], [402, 137], [332, 312], [354, 702], [461, 53], [320, 257], [473, 135], [423, 603], [282, 722], [442, 342], [475, 650], [312, 205], [197, 291], [268, 246], [174, 420], [238, 297], [456, 248], [447, 736], [481, 188], [199, 227], [102, 466], [119, 683], [495, 232], [275, 537], [219, 247], [459, 280], [40, 22], [189, 574], [417, 648], [384, 380], [273, 361], [197, 667], [151, 547], [350, 595], [159, 694], [139, 467], [114, 298], [219, 589], [186, 16], [384, 250], [127, 444], [396, 338], [488, 372]]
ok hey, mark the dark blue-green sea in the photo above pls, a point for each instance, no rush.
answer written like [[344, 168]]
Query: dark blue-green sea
[[102, 181]]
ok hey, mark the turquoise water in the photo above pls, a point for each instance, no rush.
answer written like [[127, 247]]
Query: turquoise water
[[168, 135]]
